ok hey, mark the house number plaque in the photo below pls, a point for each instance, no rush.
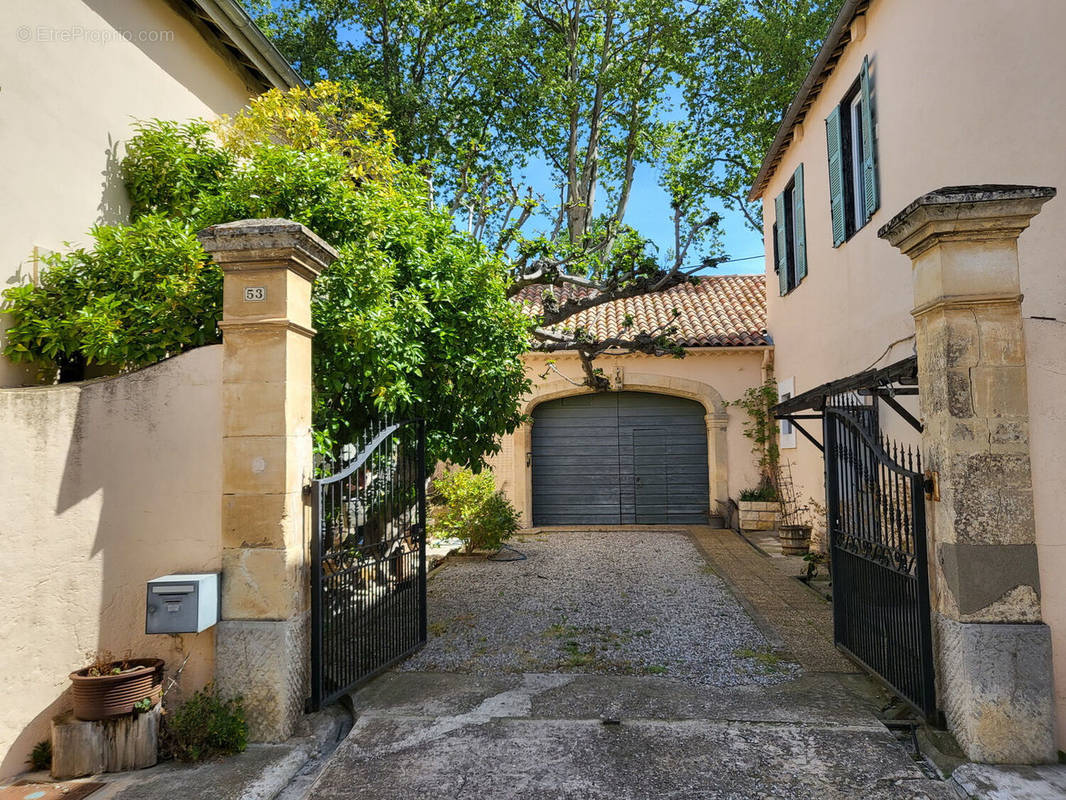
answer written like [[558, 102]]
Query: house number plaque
[[255, 294]]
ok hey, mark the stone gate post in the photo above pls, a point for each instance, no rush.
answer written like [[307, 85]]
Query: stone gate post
[[993, 652], [262, 651]]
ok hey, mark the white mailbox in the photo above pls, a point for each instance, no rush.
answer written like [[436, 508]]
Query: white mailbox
[[182, 603]]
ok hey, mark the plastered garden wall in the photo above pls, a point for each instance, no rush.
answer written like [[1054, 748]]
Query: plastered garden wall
[[103, 485]]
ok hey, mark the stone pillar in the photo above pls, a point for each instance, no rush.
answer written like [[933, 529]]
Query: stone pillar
[[717, 463], [993, 651], [262, 651]]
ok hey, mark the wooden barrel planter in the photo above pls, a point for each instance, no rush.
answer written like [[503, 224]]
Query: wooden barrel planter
[[795, 539], [112, 695]]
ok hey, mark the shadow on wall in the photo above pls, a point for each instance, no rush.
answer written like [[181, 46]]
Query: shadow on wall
[[114, 482], [114, 205]]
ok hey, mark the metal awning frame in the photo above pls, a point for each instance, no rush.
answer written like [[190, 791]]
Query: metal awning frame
[[886, 383]]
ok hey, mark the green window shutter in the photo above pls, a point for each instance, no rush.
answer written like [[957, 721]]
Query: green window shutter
[[799, 234], [836, 175], [782, 258], [869, 162]]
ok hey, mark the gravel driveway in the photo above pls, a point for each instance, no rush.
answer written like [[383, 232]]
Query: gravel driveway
[[620, 602]]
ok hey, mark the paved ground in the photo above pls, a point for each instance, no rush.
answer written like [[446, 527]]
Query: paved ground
[[499, 706]]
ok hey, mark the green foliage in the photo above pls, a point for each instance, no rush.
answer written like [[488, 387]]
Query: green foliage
[[759, 494], [413, 320], [813, 560], [141, 293], [761, 428], [41, 755], [471, 509], [168, 166], [757, 57], [693, 91], [207, 725]]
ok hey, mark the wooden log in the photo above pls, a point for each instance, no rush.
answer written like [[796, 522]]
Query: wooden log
[[81, 748]]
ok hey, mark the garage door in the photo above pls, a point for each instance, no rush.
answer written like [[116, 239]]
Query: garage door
[[619, 458]]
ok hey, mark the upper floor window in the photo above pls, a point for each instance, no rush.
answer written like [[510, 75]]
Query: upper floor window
[[853, 184], [790, 234]]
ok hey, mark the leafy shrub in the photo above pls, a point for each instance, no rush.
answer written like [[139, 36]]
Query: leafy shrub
[[143, 292], [169, 166], [759, 494], [206, 725], [41, 755], [472, 510]]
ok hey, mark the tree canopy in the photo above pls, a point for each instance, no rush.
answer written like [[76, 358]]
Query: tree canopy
[[413, 319], [588, 92]]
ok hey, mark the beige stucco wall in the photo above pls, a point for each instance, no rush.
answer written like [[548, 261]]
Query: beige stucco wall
[[712, 376], [963, 94], [71, 89], [103, 485]]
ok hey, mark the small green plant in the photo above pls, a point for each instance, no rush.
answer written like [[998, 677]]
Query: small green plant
[[813, 561], [207, 725], [471, 509], [759, 494], [104, 662], [142, 705], [767, 659], [41, 755]]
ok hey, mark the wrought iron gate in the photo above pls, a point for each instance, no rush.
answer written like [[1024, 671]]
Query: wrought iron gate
[[875, 495], [368, 559]]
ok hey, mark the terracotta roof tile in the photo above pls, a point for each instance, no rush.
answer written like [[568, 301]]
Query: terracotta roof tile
[[719, 311]]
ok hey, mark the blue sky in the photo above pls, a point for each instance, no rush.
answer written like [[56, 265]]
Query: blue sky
[[649, 212]]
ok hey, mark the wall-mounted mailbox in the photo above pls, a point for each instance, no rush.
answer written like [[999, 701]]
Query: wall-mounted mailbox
[[182, 603]]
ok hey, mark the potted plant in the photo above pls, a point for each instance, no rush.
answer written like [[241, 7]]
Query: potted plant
[[111, 687], [760, 509]]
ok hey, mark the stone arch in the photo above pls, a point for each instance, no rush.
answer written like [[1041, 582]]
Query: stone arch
[[703, 393], [624, 381]]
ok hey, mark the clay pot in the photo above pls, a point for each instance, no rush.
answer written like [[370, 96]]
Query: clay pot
[[105, 696]]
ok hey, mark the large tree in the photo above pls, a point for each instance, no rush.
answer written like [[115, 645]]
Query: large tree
[[589, 91]]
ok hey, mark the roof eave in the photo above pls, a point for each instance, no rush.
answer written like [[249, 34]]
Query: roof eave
[[265, 61], [840, 25]]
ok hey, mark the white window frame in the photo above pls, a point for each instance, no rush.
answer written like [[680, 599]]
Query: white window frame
[[858, 185], [786, 388]]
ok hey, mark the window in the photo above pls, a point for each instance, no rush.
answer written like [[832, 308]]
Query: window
[[790, 235], [853, 186]]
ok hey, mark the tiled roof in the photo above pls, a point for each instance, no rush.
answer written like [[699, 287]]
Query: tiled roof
[[719, 311]]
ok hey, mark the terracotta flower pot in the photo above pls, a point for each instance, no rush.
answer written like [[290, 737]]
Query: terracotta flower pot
[[105, 696]]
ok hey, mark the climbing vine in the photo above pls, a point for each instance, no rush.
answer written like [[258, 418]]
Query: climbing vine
[[761, 428]]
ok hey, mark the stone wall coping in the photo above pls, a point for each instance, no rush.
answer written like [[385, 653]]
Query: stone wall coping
[[969, 212], [759, 505], [264, 240]]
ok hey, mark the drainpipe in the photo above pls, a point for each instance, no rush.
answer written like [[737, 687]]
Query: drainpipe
[[767, 363]]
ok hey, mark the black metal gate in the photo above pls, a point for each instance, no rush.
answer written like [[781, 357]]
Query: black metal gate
[[875, 495], [368, 559]]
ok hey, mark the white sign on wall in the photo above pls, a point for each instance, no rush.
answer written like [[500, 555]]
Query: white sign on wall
[[255, 294]]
